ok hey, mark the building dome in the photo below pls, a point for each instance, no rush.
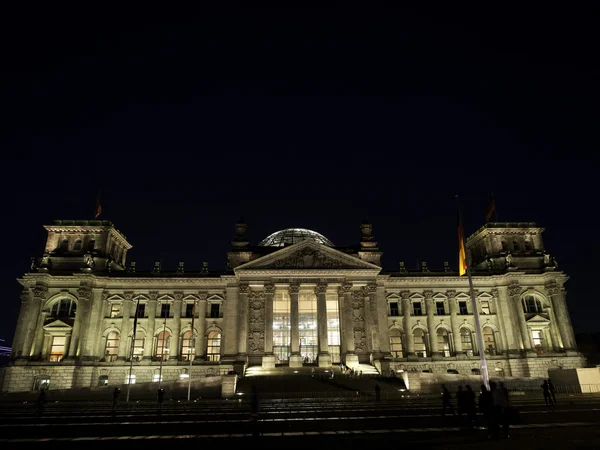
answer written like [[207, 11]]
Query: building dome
[[293, 236]]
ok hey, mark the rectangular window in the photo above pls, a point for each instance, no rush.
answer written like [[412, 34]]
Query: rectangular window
[[333, 327], [130, 379], [57, 351], [462, 308], [281, 326], [419, 344], [141, 311], [394, 309], [165, 310], [215, 310], [189, 308], [115, 310], [440, 310], [156, 378], [417, 309], [485, 307], [307, 326], [538, 341]]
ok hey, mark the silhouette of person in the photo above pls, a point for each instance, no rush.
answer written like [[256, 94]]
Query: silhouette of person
[[547, 395], [116, 394], [41, 400], [446, 401], [161, 395], [486, 408], [552, 390]]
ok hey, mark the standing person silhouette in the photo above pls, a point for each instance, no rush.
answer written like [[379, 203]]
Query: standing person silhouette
[[446, 401], [116, 394], [547, 395], [41, 400], [161, 395], [552, 390], [486, 407]]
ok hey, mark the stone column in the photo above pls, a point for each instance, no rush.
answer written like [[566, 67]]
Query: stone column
[[351, 359], [269, 292], [151, 308], [553, 328], [21, 330], [433, 345], [324, 356], [558, 294], [454, 323], [243, 324], [406, 312], [498, 309], [200, 323], [295, 357], [39, 335], [229, 347], [514, 292], [381, 308], [174, 344], [35, 337], [508, 321], [125, 342], [83, 307], [91, 338]]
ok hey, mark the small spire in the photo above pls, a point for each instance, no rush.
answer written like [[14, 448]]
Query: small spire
[[180, 267], [156, 267], [205, 267]]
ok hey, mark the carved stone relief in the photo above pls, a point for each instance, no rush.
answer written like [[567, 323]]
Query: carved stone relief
[[358, 320], [256, 321], [309, 258]]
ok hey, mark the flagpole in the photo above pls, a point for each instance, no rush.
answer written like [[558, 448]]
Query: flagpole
[[193, 346], [132, 347], [480, 344]]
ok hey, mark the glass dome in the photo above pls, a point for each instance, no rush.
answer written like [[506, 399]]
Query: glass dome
[[293, 236]]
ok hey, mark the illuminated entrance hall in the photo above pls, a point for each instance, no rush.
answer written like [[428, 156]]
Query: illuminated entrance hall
[[307, 327]]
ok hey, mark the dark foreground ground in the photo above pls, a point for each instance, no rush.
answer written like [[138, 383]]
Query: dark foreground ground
[[573, 423]]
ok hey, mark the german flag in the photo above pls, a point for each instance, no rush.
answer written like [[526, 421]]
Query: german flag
[[98, 209], [462, 258], [491, 209]]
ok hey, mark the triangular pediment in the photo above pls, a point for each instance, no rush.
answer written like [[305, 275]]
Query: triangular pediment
[[307, 255], [56, 324], [538, 319]]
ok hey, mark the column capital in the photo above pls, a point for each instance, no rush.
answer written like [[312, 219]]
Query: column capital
[[269, 288], [346, 287], [405, 295], [358, 294], [294, 288], [178, 296], [321, 288], [40, 292], [153, 295], [25, 295], [552, 288], [450, 293], [514, 290], [371, 288], [244, 288], [202, 296], [84, 293], [494, 293], [428, 295]]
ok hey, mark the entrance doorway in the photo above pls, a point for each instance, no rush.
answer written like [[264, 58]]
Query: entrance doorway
[[309, 353], [282, 352]]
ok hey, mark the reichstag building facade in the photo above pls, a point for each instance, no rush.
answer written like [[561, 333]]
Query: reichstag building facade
[[295, 299]]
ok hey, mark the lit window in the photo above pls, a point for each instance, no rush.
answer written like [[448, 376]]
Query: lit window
[[183, 376], [417, 309], [440, 310], [187, 346], [115, 310], [462, 308], [57, 351], [466, 339], [396, 343], [419, 343], [213, 351], [443, 341], [138, 346], [499, 371], [333, 327], [538, 341], [103, 380], [156, 378], [41, 382], [162, 345], [394, 309], [130, 379], [485, 307], [489, 340], [282, 326], [64, 308], [112, 346]]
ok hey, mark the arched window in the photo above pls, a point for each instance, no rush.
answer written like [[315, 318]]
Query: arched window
[[64, 308], [489, 340], [396, 343], [77, 246], [64, 245], [466, 338], [138, 346], [112, 346], [532, 304], [516, 246], [162, 345], [91, 245], [213, 347], [419, 342], [504, 246], [528, 246], [443, 341], [187, 346]]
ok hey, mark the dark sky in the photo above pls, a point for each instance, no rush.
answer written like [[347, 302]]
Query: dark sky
[[315, 118]]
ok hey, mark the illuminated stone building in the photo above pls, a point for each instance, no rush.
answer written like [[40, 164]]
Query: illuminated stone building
[[295, 299]]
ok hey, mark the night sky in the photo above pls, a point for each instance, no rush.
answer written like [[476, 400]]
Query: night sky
[[313, 118]]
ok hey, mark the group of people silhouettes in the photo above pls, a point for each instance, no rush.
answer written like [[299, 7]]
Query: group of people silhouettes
[[493, 404]]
